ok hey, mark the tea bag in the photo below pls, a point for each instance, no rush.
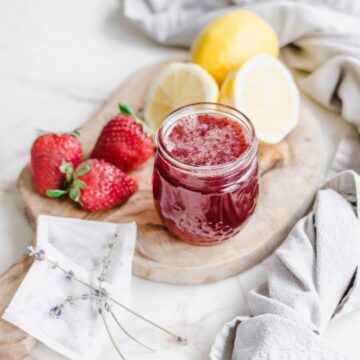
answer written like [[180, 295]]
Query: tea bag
[[75, 330]]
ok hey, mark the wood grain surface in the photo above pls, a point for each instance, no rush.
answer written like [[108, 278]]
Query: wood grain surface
[[14, 343]]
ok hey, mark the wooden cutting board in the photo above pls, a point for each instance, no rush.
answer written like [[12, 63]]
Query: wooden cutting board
[[291, 172], [290, 175]]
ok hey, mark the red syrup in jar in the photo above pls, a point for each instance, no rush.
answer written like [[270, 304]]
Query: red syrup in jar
[[205, 180]]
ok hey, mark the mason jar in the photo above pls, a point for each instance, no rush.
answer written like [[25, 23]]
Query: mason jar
[[206, 189]]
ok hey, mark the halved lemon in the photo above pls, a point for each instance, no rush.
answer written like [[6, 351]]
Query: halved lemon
[[178, 84], [230, 40], [265, 91]]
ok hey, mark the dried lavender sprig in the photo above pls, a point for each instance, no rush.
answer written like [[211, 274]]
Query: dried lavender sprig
[[104, 269], [101, 311], [55, 265], [106, 261], [128, 334], [179, 339], [41, 256], [57, 309]]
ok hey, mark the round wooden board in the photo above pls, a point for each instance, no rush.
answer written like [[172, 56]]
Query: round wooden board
[[290, 171]]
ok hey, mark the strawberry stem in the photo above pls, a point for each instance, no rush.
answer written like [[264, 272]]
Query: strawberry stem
[[126, 110], [67, 169]]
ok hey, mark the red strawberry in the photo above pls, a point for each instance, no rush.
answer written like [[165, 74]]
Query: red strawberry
[[124, 141], [98, 185], [52, 159]]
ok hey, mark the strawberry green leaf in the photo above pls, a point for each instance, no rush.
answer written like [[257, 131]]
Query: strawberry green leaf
[[125, 109], [55, 193], [80, 184], [66, 168], [75, 133], [75, 193], [83, 169]]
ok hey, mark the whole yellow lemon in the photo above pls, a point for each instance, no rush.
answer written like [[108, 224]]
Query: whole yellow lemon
[[231, 39]]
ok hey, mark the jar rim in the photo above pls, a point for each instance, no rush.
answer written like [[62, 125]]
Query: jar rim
[[215, 108]]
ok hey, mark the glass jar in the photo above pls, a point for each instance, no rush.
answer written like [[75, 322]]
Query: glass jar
[[204, 205]]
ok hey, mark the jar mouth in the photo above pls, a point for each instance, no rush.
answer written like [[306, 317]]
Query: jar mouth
[[208, 108]]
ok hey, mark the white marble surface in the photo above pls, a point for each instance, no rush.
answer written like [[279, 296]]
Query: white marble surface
[[58, 64]]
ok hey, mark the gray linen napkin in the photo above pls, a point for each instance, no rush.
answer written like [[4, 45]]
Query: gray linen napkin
[[313, 278], [320, 37]]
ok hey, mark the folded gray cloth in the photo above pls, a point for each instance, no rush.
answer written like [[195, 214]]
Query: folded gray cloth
[[323, 38], [312, 279]]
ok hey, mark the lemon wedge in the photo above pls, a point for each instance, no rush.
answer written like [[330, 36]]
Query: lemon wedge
[[230, 40], [265, 91], [178, 84]]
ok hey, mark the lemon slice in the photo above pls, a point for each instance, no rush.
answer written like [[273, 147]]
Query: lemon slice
[[264, 90], [178, 84]]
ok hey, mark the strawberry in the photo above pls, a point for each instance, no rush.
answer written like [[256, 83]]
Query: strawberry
[[52, 158], [124, 141], [99, 185]]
